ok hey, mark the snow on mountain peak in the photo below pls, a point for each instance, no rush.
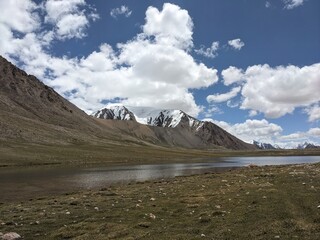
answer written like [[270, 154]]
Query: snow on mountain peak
[[148, 115], [112, 111]]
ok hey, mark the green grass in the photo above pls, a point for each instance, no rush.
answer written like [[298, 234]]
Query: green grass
[[28, 154], [247, 203]]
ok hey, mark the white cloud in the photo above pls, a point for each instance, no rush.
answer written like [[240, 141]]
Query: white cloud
[[313, 112], [210, 52], [232, 75], [236, 43], [224, 96], [251, 129], [253, 113], [57, 9], [297, 138], [19, 15], [277, 91], [212, 110], [266, 132], [153, 69], [72, 26], [171, 26], [267, 4], [68, 18], [123, 10], [294, 136], [314, 132], [290, 4], [232, 104]]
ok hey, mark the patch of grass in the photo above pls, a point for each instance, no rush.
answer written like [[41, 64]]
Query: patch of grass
[[247, 203], [31, 154]]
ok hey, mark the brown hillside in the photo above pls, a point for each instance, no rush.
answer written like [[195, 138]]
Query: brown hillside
[[32, 112]]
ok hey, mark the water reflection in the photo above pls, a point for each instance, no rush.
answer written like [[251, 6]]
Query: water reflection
[[30, 182], [93, 178]]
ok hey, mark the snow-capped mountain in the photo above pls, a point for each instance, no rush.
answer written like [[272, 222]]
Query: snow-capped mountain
[[307, 145], [176, 127], [148, 116], [116, 112], [262, 145]]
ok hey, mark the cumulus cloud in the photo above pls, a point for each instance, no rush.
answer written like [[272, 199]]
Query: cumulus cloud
[[294, 139], [123, 10], [266, 132], [218, 98], [210, 52], [17, 18], [57, 9], [71, 26], [19, 15], [314, 132], [68, 17], [313, 112], [290, 4], [171, 26], [212, 110], [152, 69], [232, 75], [251, 129], [277, 91], [236, 43]]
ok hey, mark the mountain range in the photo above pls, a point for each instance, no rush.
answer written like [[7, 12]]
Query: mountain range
[[183, 127], [266, 146], [307, 145], [269, 146], [32, 112]]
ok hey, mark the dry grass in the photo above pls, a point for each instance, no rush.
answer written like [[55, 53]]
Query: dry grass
[[79, 153], [247, 203]]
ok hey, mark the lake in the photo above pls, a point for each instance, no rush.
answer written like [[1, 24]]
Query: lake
[[33, 182]]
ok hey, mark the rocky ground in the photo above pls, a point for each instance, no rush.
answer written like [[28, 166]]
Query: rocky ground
[[276, 202]]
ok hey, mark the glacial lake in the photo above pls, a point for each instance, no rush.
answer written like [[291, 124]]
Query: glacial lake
[[34, 182]]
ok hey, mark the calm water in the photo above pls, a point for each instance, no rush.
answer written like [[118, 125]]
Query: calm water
[[35, 182]]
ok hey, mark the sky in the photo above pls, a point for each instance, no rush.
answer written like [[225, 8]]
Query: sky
[[250, 66]]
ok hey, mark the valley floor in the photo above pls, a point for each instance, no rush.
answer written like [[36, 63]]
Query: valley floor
[[15, 154], [274, 202]]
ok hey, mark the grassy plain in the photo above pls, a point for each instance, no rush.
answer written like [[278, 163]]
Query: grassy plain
[[274, 202], [28, 154]]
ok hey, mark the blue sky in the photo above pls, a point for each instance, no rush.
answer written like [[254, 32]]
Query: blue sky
[[250, 66]]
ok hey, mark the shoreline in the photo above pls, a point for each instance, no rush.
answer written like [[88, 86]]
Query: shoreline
[[268, 202], [14, 155], [46, 180]]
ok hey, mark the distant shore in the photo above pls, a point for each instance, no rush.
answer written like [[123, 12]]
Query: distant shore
[[15, 154]]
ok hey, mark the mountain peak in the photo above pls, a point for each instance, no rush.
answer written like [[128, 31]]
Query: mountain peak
[[307, 145], [116, 112], [206, 132], [147, 115], [261, 145], [30, 111]]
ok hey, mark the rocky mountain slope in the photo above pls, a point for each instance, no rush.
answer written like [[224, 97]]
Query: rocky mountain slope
[[201, 132], [31, 112]]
